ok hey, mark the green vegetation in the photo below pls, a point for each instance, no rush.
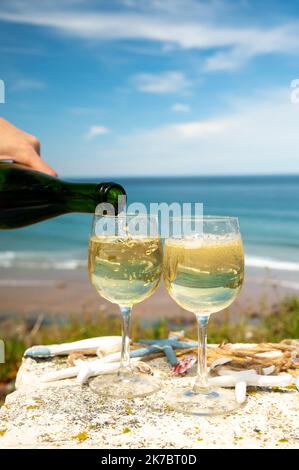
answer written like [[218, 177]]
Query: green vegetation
[[280, 323]]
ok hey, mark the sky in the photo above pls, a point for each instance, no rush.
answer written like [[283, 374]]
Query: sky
[[154, 87]]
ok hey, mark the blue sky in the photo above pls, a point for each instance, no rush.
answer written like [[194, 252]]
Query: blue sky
[[156, 87]]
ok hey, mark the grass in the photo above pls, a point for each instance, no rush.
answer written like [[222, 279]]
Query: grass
[[280, 323]]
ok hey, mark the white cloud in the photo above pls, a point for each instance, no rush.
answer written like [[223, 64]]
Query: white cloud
[[259, 136], [167, 82], [227, 60], [184, 25], [180, 108], [201, 128], [95, 131]]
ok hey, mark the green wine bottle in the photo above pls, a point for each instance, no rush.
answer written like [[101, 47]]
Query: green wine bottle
[[28, 196]]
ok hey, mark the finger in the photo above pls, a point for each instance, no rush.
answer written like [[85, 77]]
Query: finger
[[45, 168], [27, 156], [40, 165], [36, 163], [18, 134], [32, 140]]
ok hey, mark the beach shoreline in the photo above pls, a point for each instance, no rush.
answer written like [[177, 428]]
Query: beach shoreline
[[56, 293]]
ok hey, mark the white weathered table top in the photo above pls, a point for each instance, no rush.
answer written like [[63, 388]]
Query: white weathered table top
[[64, 415]]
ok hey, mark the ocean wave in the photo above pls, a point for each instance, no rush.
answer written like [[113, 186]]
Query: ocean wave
[[39, 260], [270, 263], [289, 285], [58, 260], [27, 283]]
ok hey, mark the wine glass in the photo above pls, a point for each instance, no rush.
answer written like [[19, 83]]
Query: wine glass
[[203, 273], [125, 267]]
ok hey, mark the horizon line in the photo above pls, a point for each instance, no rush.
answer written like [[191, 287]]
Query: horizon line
[[241, 175]]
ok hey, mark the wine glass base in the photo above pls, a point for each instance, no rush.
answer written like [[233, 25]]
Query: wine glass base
[[213, 402], [124, 388]]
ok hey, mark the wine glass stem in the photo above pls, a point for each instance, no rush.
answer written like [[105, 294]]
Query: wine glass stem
[[201, 383], [125, 366]]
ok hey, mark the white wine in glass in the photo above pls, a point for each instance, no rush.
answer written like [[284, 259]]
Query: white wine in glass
[[204, 273], [125, 270], [125, 267]]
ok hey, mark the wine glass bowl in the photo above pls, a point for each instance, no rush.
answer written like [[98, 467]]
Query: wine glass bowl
[[203, 273], [125, 267], [125, 270]]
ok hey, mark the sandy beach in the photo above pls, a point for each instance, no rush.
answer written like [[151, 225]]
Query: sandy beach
[[56, 293]]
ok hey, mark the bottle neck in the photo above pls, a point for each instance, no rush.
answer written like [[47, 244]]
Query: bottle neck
[[23, 188], [84, 197]]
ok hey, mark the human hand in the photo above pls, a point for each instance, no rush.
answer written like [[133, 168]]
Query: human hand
[[21, 147]]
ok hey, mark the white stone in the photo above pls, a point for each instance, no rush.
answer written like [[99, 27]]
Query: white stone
[[50, 415]]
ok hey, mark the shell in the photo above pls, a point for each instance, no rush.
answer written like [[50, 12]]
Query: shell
[[220, 362], [183, 365], [143, 367], [240, 391], [295, 357], [268, 370]]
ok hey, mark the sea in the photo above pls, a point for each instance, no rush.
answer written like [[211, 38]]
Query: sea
[[267, 208]]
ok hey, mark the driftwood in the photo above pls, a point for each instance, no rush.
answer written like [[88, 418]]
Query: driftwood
[[284, 356]]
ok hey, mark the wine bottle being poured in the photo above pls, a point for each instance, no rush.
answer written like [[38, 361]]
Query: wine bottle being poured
[[28, 196]]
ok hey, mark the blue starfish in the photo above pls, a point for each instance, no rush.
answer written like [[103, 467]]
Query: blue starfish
[[167, 346]]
